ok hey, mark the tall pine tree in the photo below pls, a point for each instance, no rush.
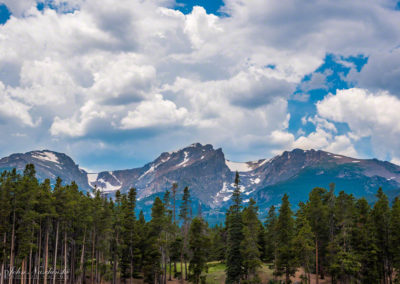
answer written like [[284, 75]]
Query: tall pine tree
[[286, 256], [234, 223]]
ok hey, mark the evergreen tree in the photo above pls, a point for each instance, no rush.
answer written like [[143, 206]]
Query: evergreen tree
[[304, 244], [381, 218], [27, 217], [117, 231], [152, 256], [250, 249], [184, 215], [169, 231], [142, 232], [270, 235], [130, 238], [234, 223], [286, 257], [5, 213], [218, 243], [317, 215], [199, 245], [364, 243], [345, 264], [304, 241], [395, 236]]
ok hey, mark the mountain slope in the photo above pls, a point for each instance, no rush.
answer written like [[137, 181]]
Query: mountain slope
[[48, 164]]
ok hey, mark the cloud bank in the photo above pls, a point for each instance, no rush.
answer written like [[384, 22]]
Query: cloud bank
[[132, 78]]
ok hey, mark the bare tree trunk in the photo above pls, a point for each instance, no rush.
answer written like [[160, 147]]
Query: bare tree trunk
[[82, 259], [316, 262], [10, 279], [165, 269], [23, 268], [30, 260], [275, 258], [72, 261], [97, 261], [65, 257], [170, 270], [115, 266], [84, 274], [186, 272], [308, 273], [390, 272], [39, 251], [131, 253], [93, 251], [46, 254], [182, 282], [4, 258], [131, 273], [55, 254], [175, 269]]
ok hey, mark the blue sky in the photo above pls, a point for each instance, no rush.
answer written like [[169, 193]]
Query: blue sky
[[115, 84], [212, 7], [4, 14]]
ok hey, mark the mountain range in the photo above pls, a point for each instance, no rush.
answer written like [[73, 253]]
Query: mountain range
[[210, 176]]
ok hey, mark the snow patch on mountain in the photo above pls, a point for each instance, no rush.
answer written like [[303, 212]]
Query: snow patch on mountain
[[242, 188], [240, 167], [226, 198], [92, 178], [165, 160], [263, 162], [225, 193], [112, 174], [255, 181], [152, 168], [107, 186], [46, 156], [185, 160]]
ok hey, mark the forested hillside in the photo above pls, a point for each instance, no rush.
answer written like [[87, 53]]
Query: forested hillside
[[62, 235]]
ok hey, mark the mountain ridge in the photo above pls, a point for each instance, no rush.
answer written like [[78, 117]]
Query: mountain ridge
[[209, 175]]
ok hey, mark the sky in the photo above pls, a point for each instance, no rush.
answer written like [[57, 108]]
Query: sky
[[115, 83]]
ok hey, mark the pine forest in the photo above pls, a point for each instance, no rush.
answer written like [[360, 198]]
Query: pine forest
[[58, 234]]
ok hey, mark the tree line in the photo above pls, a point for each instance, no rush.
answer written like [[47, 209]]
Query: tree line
[[58, 234]]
